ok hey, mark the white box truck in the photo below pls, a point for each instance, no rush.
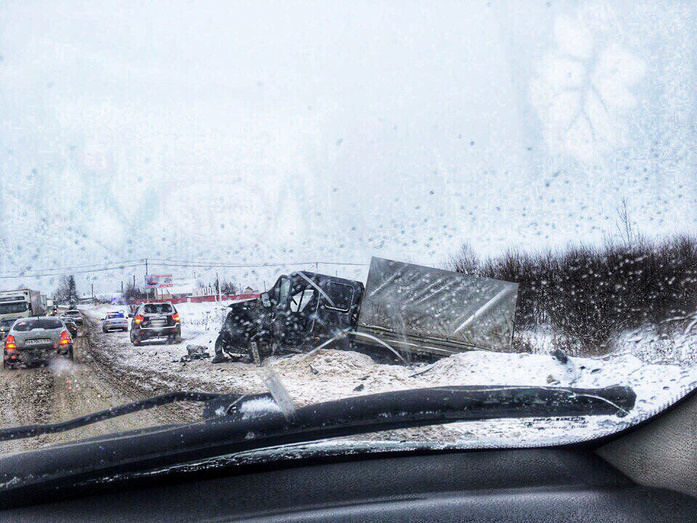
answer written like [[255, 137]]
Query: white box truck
[[20, 303]]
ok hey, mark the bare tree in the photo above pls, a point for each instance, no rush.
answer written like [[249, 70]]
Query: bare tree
[[624, 223], [133, 292], [67, 290], [227, 287], [465, 261]]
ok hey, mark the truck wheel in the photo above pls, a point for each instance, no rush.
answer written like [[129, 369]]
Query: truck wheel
[[254, 349], [71, 354]]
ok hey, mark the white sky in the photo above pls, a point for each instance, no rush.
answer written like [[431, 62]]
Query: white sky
[[251, 132]]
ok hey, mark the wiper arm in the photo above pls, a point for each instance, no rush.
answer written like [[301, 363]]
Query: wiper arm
[[30, 431], [382, 411]]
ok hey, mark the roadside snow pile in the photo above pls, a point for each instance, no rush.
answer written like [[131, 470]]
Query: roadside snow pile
[[677, 345], [333, 374], [477, 367]]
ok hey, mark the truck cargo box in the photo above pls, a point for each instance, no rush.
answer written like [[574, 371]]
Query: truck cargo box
[[425, 310]]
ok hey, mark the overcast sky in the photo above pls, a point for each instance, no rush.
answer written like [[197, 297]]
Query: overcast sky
[[261, 131]]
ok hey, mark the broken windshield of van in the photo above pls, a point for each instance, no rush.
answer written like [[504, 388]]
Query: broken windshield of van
[[455, 310]]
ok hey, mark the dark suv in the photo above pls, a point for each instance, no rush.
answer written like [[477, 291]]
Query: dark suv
[[156, 320]]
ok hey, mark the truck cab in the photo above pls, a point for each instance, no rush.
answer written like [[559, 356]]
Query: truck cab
[[20, 303], [302, 308]]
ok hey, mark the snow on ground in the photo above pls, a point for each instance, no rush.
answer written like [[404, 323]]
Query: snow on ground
[[332, 374]]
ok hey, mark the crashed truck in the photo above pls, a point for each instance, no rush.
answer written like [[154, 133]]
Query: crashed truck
[[404, 312]]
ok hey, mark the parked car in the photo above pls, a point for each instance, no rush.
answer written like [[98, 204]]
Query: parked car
[[156, 320], [36, 340], [5, 326], [74, 315], [71, 326], [114, 320]]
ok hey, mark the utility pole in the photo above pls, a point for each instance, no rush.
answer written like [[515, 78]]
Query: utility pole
[[146, 273], [121, 287], [93, 291], [217, 287]]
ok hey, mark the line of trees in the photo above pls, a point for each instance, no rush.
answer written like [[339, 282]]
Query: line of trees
[[590, 293]]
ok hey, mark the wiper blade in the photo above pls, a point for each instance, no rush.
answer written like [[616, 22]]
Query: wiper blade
[[373, 412], [30, 431], [428, 406]]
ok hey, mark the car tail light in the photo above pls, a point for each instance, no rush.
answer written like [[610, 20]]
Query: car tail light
[[65, 338], [175, 317], [10, 343], [139, 319]]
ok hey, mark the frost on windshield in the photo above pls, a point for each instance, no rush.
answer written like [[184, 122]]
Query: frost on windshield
[[526, 174]]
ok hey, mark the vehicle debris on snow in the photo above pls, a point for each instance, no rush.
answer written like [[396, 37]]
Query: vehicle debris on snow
[[194, 352]]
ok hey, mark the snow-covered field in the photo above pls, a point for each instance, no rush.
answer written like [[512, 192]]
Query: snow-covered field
[[332, 374]]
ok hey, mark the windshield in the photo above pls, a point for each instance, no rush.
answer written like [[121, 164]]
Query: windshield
[[157, 309], [33, 324], [8, 308], [470, 194]]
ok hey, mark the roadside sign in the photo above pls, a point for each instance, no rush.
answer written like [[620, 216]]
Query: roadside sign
[[158, 281]]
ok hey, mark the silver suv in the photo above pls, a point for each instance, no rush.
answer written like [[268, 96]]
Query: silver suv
[[36, 340]]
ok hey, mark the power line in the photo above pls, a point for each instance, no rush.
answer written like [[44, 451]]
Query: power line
[[65, 270], [195, 264], [129, 264], [53, 274]]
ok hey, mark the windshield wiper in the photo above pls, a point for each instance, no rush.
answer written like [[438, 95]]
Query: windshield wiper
[[382, 411]]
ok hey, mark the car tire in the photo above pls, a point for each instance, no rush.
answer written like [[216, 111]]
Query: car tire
[[71, 354], [134, 339], [178, 338], [104, 330], [220, 344]]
